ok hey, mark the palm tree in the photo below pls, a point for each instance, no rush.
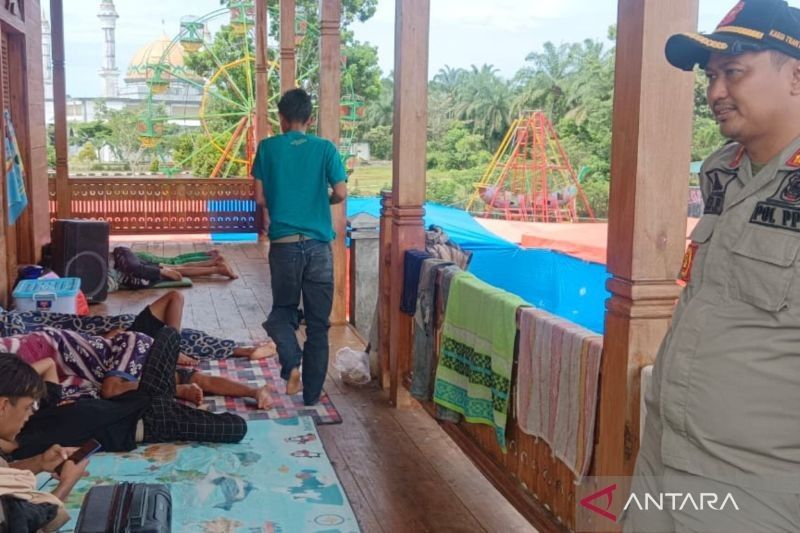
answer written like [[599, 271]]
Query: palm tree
[[545, 84], [379, 111], [482, 100], [448, 79]]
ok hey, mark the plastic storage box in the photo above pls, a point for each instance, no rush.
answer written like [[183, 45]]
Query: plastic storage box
[[56, 295]]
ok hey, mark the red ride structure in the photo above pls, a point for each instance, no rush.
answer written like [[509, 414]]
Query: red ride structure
[[530, 177]]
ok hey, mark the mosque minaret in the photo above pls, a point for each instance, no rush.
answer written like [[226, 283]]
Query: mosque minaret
[[109, 74]]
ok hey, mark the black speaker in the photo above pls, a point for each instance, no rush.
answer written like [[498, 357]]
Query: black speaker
[[80, 250]]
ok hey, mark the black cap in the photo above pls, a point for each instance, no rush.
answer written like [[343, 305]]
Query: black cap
[[751, 26]]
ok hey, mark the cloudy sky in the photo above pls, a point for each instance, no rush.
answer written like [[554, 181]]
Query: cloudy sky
[[462, 33]]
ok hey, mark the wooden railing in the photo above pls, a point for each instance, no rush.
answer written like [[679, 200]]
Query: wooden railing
[[158, 205]]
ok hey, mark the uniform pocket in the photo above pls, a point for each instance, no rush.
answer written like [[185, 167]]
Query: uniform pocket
[[763, 267]]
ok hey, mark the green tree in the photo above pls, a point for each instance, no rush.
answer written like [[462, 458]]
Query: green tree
[[380, 142], [96, 131], [87, 153], [482, 101], [458, 149], [705, 132], [122, 138]]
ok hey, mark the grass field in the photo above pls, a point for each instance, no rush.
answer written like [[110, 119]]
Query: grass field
[[369, 179]]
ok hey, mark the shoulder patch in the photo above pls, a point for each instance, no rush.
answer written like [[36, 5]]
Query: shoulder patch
[[794, 160]]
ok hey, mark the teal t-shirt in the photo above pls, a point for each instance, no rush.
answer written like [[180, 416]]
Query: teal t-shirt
[[296, 170]]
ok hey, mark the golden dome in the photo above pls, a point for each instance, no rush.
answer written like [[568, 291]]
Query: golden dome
[[141, 66]]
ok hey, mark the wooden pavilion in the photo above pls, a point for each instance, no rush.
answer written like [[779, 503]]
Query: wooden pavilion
[[650, 152]]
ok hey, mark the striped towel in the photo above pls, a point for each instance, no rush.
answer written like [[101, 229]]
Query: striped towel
[[557, 382], [476, 355]]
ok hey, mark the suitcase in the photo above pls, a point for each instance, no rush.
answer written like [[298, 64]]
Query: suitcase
[[126, 508]]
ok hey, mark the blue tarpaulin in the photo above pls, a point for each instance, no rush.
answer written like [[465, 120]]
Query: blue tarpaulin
[[561, 284]]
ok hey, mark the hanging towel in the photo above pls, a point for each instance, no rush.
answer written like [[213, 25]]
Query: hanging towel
[[15, 173], [448, 273], [476, 354], [424, 333], [412, 264], [557, 383]]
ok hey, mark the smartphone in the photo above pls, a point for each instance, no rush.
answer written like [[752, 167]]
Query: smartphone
[[88, 448]]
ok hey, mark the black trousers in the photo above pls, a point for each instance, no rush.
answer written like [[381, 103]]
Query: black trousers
[[166, 420]]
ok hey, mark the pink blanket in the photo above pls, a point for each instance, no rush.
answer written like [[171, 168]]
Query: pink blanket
[[557, 381]]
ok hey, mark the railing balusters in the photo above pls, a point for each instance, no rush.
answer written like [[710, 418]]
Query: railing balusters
[[163, 205]]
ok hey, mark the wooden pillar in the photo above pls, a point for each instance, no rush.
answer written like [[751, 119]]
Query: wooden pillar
[[262, 128], [36, 153], [288, 62], [329, 95], [385, 287], [412, 20], [647, 221], [63, 195]]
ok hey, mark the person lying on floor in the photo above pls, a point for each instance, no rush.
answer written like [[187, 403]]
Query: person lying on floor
[[137, 274], [89, 366], [166, 310], [149, 414], [25, 508]]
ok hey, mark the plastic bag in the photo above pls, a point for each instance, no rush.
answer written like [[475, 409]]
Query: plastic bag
[[353, 366]]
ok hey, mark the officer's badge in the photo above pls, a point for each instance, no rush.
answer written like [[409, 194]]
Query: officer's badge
[[782, 209], [720, 179]]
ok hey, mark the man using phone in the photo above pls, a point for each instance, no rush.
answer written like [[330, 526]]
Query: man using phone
[[20, 393]]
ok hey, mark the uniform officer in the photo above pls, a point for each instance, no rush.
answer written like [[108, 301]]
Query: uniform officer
[[724, 408]]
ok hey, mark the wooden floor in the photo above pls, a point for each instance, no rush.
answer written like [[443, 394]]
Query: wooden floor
[[401, 471]]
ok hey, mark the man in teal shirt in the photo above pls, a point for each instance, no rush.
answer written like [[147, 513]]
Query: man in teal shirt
[[297, 177]]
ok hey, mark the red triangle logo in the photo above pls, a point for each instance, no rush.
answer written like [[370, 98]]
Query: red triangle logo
[[608, 493], [732, 14]]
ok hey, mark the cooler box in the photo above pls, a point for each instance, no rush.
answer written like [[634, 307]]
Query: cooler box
[[56, 295]]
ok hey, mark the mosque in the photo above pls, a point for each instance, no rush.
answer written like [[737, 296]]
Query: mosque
[[180, 100]]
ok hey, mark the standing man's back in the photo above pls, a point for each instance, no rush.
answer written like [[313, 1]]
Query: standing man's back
[[293, 173]]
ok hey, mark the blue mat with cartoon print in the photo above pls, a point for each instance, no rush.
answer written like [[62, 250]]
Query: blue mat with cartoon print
[[278, 479]]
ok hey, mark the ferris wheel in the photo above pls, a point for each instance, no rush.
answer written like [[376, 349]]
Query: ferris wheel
[[215, 77]]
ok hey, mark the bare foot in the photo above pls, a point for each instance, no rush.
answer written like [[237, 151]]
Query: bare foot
[[293, 386], [185, 360], [190, 392], [226, 270], [264, 398], [262, 351]]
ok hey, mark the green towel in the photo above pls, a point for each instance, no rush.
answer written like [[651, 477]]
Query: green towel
[[476, 354], [192, 257]]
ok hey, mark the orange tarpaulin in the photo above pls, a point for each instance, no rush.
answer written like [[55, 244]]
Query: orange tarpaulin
[[584, 240]]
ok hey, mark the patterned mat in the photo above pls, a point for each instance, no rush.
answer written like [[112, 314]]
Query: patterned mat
[[277, 480], [257, 373]]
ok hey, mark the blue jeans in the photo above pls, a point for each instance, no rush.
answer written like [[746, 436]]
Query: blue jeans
[[302, 268]]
